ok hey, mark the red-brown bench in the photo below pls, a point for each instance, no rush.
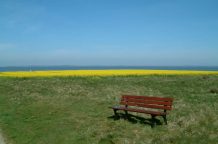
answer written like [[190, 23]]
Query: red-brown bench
[[155, 106]]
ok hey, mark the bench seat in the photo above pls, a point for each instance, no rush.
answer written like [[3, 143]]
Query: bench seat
[[156, 113]]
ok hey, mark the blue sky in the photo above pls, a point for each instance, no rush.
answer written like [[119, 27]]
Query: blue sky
[[109, 32]]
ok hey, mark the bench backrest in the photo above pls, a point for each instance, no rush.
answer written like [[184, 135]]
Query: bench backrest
[[147, 102]]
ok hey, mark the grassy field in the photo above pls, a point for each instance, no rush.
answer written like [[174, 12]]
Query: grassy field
[[68, 110]]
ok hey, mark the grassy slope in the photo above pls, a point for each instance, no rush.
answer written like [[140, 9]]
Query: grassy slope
[[75, 110]]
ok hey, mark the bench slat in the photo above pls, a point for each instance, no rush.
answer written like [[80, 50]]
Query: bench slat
[[146, 105], [169, 103], [148, 98]]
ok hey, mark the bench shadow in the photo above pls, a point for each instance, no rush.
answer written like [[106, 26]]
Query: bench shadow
[[135, 119]]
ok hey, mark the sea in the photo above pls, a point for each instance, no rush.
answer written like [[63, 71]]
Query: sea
[[68, 67]]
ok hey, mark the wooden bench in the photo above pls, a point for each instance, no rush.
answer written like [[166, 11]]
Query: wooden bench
[[155, 106]]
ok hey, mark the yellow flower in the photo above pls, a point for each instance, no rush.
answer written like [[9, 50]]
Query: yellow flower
[[104, 73]]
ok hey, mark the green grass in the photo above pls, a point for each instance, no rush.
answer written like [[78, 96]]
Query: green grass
[[75, 110]]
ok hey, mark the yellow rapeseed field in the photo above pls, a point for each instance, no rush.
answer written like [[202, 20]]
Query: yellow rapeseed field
[[103, 73]]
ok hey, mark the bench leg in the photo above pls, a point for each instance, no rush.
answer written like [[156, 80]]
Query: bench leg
[[126, 115], [115, 112], [153, 121], [165, 119], [126, 106]]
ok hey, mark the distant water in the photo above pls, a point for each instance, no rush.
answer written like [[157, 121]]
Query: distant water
[[36, 68]]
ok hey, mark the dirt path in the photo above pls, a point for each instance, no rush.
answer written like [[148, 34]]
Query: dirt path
[[2, 141]]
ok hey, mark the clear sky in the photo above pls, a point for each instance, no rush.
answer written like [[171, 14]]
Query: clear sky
[[109, 32]]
